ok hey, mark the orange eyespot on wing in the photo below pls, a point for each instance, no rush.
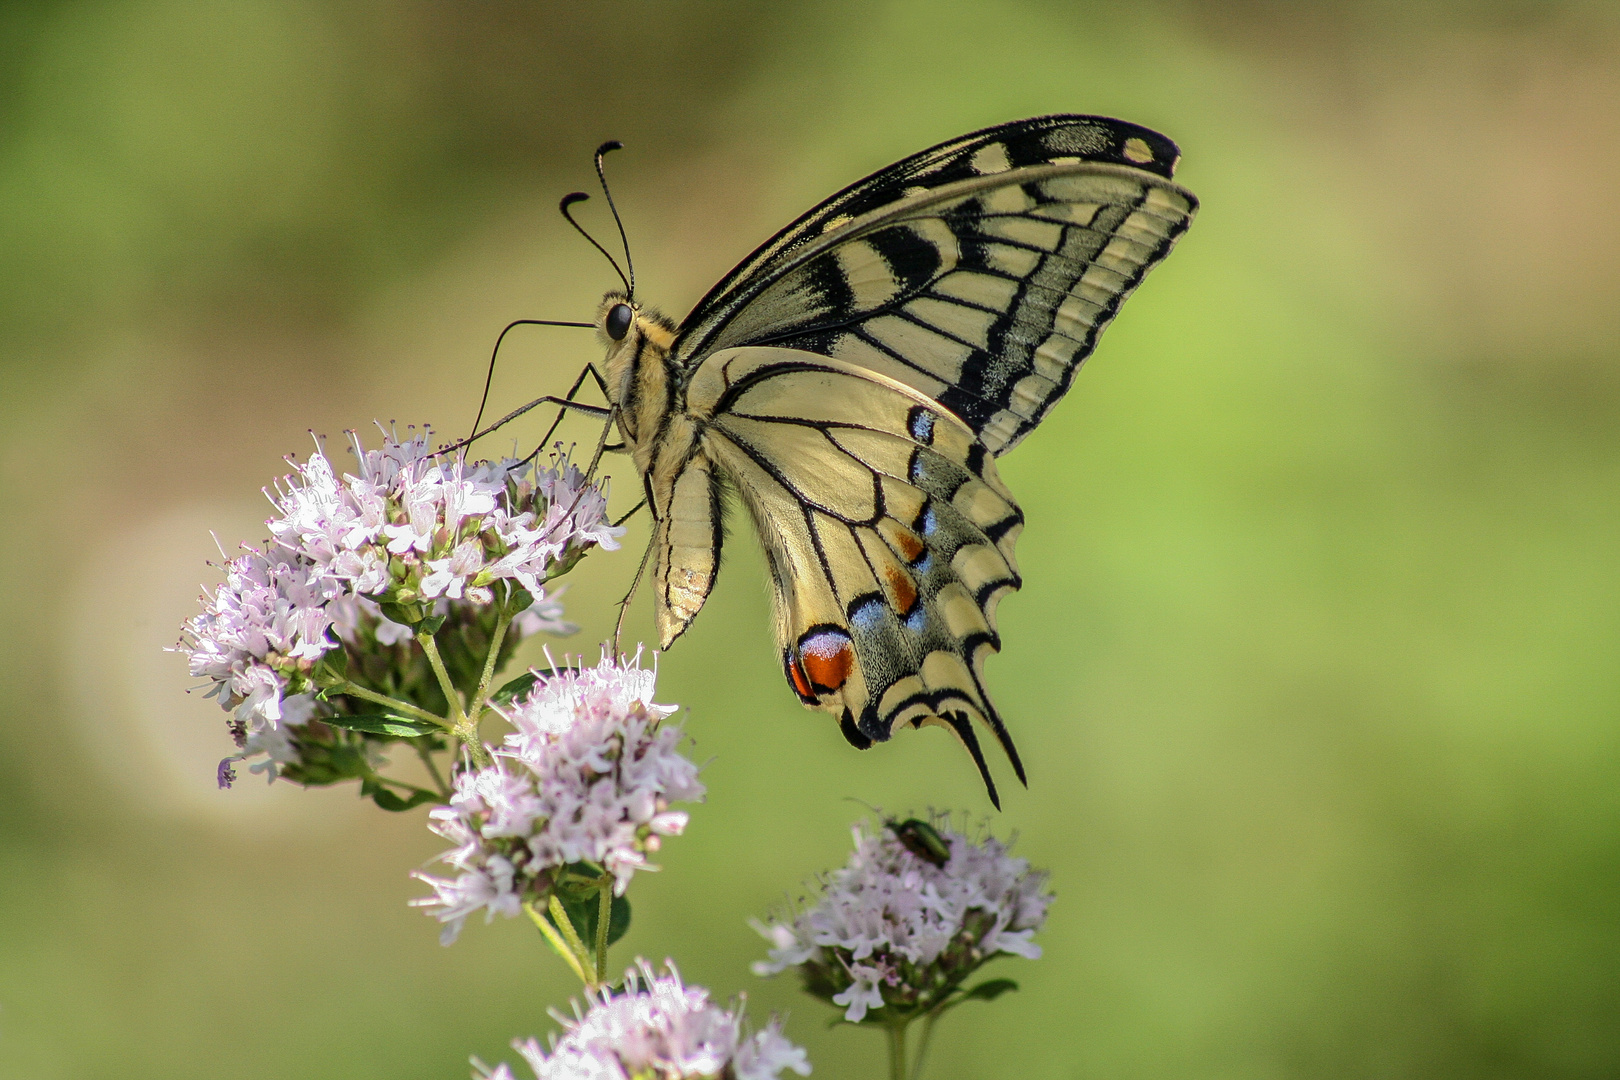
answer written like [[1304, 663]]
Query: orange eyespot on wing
[[827, 656], [797, 678]]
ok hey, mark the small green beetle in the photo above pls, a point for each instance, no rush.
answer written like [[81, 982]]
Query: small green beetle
[[921, 839]]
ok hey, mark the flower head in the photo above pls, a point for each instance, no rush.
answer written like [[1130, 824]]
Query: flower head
[[411, 535], [658, 1028], [588, 776], [897, 932], [413, 526], [260, 633]]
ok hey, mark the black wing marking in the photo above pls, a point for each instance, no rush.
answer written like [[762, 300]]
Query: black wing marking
[[1036, 141], [982, 276]]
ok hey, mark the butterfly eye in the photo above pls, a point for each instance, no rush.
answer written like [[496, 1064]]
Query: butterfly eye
[[618, 321]]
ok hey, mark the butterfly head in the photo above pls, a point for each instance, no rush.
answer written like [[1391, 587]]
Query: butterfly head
[[637, 341]]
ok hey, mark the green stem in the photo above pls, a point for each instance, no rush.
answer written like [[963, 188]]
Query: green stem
[[426, 755], [559, 915], [436, 662], [897, 1051], [922, 1044], [350, 689], [604, 916], [503, 619], [555, 940], [462, 727]]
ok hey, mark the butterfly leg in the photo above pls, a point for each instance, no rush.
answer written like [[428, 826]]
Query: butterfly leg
[[601, 384], [601, 411], [635, 582]]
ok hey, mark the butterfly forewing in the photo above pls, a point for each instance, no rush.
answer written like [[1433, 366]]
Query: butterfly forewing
[[1037, 141], [985, 294]]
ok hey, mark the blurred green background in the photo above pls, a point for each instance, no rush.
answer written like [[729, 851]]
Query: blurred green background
[[1315, 666]]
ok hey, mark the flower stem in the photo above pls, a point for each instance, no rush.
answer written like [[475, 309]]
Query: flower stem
[[897, 1051], [435, 661], [554, 939], [604, 915], [559, 915], [463, 727], [922, 1044], [503, 619], [350, 689], [433, 769]]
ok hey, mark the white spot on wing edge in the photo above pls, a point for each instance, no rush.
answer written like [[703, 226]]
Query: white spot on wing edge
[[990, 158]]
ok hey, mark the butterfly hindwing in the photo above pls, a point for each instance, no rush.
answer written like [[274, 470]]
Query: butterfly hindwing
[[889, 535], [980, 273]]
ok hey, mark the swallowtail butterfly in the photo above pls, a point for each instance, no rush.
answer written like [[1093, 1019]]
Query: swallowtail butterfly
[[854, 380]]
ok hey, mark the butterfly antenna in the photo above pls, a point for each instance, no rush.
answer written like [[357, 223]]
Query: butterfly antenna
[[579, 196], [489, 377], [602, 152]]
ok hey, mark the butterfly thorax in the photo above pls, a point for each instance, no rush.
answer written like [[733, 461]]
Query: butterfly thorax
[[644, 389]]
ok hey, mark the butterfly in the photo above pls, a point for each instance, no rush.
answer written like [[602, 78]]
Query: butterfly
[[852, 382]]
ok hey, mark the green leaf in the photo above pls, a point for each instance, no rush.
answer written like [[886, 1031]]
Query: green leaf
[[989, 990], [400, 613], [322, 763], [332, 669], [382, 724], [430, 625], [388, 800], [618, 919], [584, 905], [520, 686]]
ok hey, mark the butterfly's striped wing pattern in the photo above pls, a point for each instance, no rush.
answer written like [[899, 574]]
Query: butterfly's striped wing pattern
[[855, 378], [982, 277], [889, 536]]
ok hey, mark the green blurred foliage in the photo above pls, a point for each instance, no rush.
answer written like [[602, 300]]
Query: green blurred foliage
[[1315, 666]]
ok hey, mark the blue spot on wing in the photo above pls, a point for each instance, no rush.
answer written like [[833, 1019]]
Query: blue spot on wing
[[867, 613], [921, 424], [915, 473]]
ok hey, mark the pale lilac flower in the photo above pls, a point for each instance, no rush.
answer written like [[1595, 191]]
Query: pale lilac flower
[[409, 528], [892, 929], [259, 633], [274, 742], [657, 1028], [544, 616], [589, 775], [413, 525]]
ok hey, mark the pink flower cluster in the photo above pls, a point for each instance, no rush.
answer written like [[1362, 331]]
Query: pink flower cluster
[[892, 920], [409, 527], [658, 1029], [589, 775]]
